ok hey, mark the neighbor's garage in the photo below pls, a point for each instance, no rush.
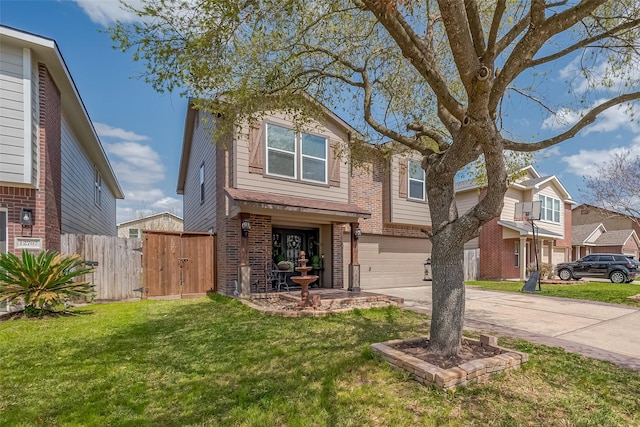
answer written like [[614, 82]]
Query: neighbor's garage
[[388, 261]]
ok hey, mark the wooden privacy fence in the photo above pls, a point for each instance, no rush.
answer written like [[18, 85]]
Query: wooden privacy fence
[[178, 264], [117, 263]]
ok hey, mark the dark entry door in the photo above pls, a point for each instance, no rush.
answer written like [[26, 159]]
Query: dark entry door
[[288, 242]]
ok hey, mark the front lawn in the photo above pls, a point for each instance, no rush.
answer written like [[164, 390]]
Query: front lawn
[[593, 291], [215, 362]]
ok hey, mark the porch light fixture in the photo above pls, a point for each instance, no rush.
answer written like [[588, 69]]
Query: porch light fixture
[[246, 226], [357, 233]]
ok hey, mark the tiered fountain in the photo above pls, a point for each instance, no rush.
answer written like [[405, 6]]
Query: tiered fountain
[[304, 281]]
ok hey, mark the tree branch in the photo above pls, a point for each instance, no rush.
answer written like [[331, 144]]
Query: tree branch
[[493, 31], [475, 27], [419, 54], [383, 130], [586, 120]]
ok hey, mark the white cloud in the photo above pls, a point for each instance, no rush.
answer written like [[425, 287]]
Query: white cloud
[[141, 173], [106, 131], [105, 12], [613, 119], [601, 76], [587, 163]]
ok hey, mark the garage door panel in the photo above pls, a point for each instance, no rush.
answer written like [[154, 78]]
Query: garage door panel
[[388, 261]]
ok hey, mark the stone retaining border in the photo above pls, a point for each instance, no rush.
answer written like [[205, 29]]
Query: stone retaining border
[[475, 371], [335, 305]]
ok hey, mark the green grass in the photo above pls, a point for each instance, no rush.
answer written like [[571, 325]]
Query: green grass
[[214, 362], [592, 291]]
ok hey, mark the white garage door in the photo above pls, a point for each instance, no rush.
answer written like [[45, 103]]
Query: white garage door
[[387, 261], [558, 256]]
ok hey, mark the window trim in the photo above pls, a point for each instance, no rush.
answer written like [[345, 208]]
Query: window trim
[[138, 233], [409, 179], [298, 156], [517, 253], [97, 187], [544, 208]]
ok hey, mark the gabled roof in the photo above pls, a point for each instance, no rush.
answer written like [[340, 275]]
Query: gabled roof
[[46, 51], [528, 184], [145, 218], [617, 238], [584, 235]]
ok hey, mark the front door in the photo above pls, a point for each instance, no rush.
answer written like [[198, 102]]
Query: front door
[[288, 242]]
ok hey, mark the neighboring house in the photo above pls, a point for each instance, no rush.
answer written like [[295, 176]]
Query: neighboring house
[[165, 221], [505, 245], [292, 191], [54, 175], [589, 214], [595, 238], [584, 238]]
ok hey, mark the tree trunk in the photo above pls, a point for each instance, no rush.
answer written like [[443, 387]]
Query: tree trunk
[[447, 264]]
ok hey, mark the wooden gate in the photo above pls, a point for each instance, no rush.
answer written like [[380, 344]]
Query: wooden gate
[[178, 264]]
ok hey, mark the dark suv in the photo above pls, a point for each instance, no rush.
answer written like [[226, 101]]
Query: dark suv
[[616, 267]]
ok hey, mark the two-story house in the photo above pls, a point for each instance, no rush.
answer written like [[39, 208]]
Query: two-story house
[[506, 245], [268, 191], [54, 175]]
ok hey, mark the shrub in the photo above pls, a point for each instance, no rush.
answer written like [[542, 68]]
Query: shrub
[[42, 281], [546, 269]]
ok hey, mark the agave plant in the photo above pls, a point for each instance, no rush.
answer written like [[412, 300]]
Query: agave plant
[[43, 281]]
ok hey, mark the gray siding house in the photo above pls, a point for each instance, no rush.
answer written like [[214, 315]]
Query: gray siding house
[[54, 174]]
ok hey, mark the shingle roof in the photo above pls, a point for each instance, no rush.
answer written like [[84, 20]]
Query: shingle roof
[[580, 233], [530, 183], [614, 238]]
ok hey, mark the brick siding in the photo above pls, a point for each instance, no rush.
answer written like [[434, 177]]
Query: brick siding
[[47, 198]]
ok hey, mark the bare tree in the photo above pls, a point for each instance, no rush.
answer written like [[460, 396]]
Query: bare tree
[[616, 186], [434, 76]]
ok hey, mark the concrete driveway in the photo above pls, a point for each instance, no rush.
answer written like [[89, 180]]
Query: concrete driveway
[[599, 330]]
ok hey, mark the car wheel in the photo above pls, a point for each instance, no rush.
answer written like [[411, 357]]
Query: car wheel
[[618, 277], [565, 274]]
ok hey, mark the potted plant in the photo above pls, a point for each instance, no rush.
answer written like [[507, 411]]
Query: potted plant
[[285, 266]]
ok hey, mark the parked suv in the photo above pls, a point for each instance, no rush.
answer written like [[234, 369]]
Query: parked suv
[[616, 267]]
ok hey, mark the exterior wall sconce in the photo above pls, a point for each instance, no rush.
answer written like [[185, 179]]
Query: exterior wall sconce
[[245, 226], [26, 217], [357, 233]]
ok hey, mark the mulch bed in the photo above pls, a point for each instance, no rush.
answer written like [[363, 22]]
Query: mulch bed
[[468, 352]]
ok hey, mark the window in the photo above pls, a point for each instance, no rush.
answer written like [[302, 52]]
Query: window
[[202, 183], [97, 189], [549, 209], [517, 253], [134, 233], [416, 181], [288, 151]]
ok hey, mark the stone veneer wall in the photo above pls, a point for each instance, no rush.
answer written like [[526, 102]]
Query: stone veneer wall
[[475, 371]]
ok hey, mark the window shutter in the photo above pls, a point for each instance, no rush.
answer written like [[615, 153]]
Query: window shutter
[[256, 144], [402, 179], [334, 164]]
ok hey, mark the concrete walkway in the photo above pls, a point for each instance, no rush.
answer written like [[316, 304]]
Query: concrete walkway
[[598, 330]]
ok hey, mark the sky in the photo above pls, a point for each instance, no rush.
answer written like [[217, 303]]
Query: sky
[[141, 130]]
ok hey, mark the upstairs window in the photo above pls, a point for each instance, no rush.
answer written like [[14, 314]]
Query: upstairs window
[[416, 181], [296, 155], [97, 187], [549, 209]]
